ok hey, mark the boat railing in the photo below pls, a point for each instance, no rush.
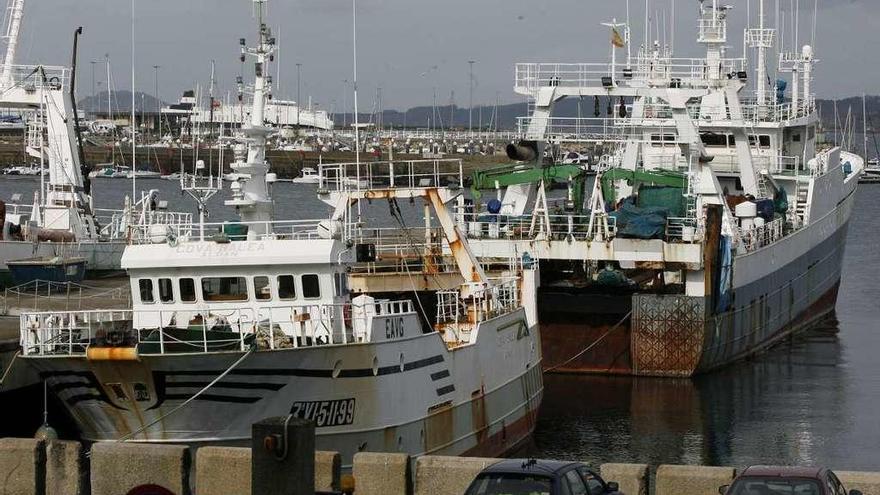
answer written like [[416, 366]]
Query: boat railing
[[409, 174], [197, 330], [758, 237], [782, 165], [530, 77], [683, 229], [33, 77], [184, 230], [534, 226]]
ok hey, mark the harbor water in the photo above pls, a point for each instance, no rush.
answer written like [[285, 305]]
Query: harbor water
[[812, 400]]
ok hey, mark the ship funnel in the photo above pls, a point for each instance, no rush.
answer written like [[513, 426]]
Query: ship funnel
[[524, 151]]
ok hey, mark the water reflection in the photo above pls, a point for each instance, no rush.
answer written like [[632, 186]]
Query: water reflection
[[778, 408]]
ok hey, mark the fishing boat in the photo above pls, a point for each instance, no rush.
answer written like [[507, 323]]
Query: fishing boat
[[231, 323], [716, 227], [308, 176], [56, 269], [110, 171]]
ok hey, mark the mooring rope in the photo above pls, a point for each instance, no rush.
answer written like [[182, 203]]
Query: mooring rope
[[594, 344], [9, 368]]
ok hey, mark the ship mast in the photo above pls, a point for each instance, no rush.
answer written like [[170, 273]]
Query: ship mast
[[14, 14], [250, 191], [762, 39]]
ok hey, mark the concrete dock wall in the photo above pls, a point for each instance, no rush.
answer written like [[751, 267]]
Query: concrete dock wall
[[32, 467]]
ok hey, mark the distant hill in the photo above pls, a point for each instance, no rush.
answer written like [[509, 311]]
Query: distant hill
[[120, 102]]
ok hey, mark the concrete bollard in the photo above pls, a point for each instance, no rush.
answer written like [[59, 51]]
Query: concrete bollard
[[867, 483], [381, 474], [632, 478], [283, 456], [66, 471], [22, 466], [328, 471], [439, 475], [692, 480], [121, 467], [223, 471]]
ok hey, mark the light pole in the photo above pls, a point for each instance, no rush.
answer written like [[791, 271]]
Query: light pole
[[92, 106], [158, 103], [344, 102], [298, 100], [471, 98]]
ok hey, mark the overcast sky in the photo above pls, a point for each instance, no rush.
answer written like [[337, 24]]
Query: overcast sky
[[407, 47]]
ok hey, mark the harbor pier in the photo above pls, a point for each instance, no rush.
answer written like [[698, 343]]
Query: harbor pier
[[56, 467]]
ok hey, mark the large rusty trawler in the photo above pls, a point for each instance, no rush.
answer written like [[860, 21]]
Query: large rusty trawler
[[716, 225]]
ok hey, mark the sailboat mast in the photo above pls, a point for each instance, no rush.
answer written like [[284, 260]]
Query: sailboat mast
[[133, 126]]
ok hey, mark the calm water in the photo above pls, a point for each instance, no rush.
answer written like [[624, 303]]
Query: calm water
[[812, 401]]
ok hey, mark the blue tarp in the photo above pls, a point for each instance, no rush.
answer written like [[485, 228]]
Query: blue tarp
[[640, 223], [725, 256]]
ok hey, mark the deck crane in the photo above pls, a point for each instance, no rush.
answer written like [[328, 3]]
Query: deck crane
[[504, 176]]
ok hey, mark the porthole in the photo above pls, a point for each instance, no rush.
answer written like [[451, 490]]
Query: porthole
[[337, 369], [375, 366], [401, 362]]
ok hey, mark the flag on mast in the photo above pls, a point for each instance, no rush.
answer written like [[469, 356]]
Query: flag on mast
[[617, 39]]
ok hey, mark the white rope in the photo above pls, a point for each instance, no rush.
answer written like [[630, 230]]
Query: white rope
[[9, 368], [594, 344], [194, 397]]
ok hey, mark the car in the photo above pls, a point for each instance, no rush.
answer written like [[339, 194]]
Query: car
[[786, 480], [539, 477]]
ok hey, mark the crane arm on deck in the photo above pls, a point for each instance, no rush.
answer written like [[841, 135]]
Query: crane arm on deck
[[514, 174], [657, 177]]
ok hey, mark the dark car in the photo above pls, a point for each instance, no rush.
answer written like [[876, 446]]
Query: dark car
[[786, 480], [539, 477]]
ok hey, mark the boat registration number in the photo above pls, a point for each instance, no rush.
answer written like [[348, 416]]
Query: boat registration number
[[325, 412]]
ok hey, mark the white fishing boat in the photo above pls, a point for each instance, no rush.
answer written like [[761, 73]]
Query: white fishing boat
[[24, 171], [719, 227], [235, 322], [110, 171], [308, 176]]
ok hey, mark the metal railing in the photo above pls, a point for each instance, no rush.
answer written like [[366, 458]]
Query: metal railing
[[758, 237], [71, 333], [530, 77], [437, 173], [183, 230], [551, 227], [72, 295], [34, 77]]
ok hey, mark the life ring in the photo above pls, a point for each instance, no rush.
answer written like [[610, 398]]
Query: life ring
[[55, 82]]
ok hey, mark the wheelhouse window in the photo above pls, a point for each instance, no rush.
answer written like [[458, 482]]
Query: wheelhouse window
[[286, 287], [145, 286], [262, 290], [311, 286], [712, 139], [187, 290], [222, 289], [166, 290], [341, 283]]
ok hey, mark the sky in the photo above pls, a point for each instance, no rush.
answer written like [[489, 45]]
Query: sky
[[409, 48]]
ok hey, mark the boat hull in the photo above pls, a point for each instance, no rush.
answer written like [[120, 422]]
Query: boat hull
[[679, 336], [412, 395], [99, 256]]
